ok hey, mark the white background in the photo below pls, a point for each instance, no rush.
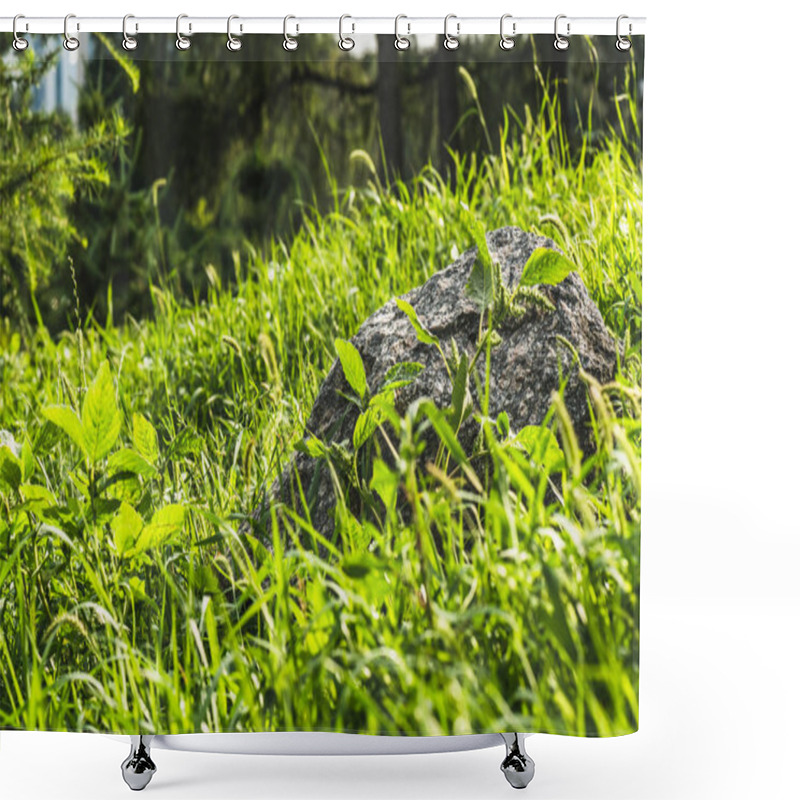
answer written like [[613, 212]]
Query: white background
[[720, 698]]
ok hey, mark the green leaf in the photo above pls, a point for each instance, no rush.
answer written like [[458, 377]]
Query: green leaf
[[37, 498], [145, 440], [480, 286], [503, 425], [461, 396], [366, 424], [352, 365], [400, 375], [66, 419], [312, 446], [423, 334], [27, 461], [545, 266], [99, 416], [384, 481], [10, 468], [126, 527], [138, 588], [478, 233], [541, 445], [165, 525], [127, 460], [127, 64]]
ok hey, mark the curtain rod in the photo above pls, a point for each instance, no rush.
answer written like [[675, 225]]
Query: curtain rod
[[575, 26]]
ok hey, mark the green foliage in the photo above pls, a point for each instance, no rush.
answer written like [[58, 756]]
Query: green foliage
[[353, 367], [423, 334], [545, 266], [100, 420], [482, 279], [474, 591], [44, 162]]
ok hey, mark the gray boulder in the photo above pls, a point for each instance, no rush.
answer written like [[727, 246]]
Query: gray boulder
[[524, 368]]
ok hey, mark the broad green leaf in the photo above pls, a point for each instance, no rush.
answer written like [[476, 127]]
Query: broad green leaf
[[480, 286], [100, 418], [138, 587], [126, 527], [37, 498], [545, 266], [10, 468], [384, 481], [27, 461], [145, 440], [478, 233], [66, 419], [541, 445], [423, 334], [400, 375], [127, 460], [366, 424], [312, 446], [352, 365], [165, 525]]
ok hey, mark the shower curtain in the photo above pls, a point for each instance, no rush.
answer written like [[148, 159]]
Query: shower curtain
[[320, 385]]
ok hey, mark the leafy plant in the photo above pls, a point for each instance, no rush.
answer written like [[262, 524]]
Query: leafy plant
[[43, 163]]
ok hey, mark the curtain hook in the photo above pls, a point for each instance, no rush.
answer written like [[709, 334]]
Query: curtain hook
[[128, 42], [451, 42], [71, 43], [623, 43], [560, 42], [401, 42], [507, 42], [19, 43], [289, 43], [234, 43], [346, 42], [182, 42]]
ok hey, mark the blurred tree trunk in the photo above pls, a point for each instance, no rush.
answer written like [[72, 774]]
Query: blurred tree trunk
[[389, 105]]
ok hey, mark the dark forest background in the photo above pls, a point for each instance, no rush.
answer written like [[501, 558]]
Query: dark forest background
[[149, 205]]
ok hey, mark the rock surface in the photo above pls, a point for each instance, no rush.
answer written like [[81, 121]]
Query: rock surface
[[524, 368]]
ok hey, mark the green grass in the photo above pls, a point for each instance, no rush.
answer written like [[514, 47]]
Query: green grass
[[500, 608]]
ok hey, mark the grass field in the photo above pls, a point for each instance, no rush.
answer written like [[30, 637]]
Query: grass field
[[132, 448]]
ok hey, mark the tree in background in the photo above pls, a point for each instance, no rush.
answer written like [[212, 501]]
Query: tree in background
[[44, 161]]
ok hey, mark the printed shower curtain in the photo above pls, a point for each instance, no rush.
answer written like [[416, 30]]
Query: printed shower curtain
[[320, 386]]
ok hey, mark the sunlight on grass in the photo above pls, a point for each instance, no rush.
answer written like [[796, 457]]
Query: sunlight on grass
[[511, 609]]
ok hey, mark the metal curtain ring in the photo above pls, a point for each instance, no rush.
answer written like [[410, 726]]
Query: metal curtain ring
[[19, 44], [128, 42], [623, 43], [401, 42], [507, 42], [71, 43], [181, 41], [346, 42], [560, 42], [289, 43], [234, 43], [451, 42]]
